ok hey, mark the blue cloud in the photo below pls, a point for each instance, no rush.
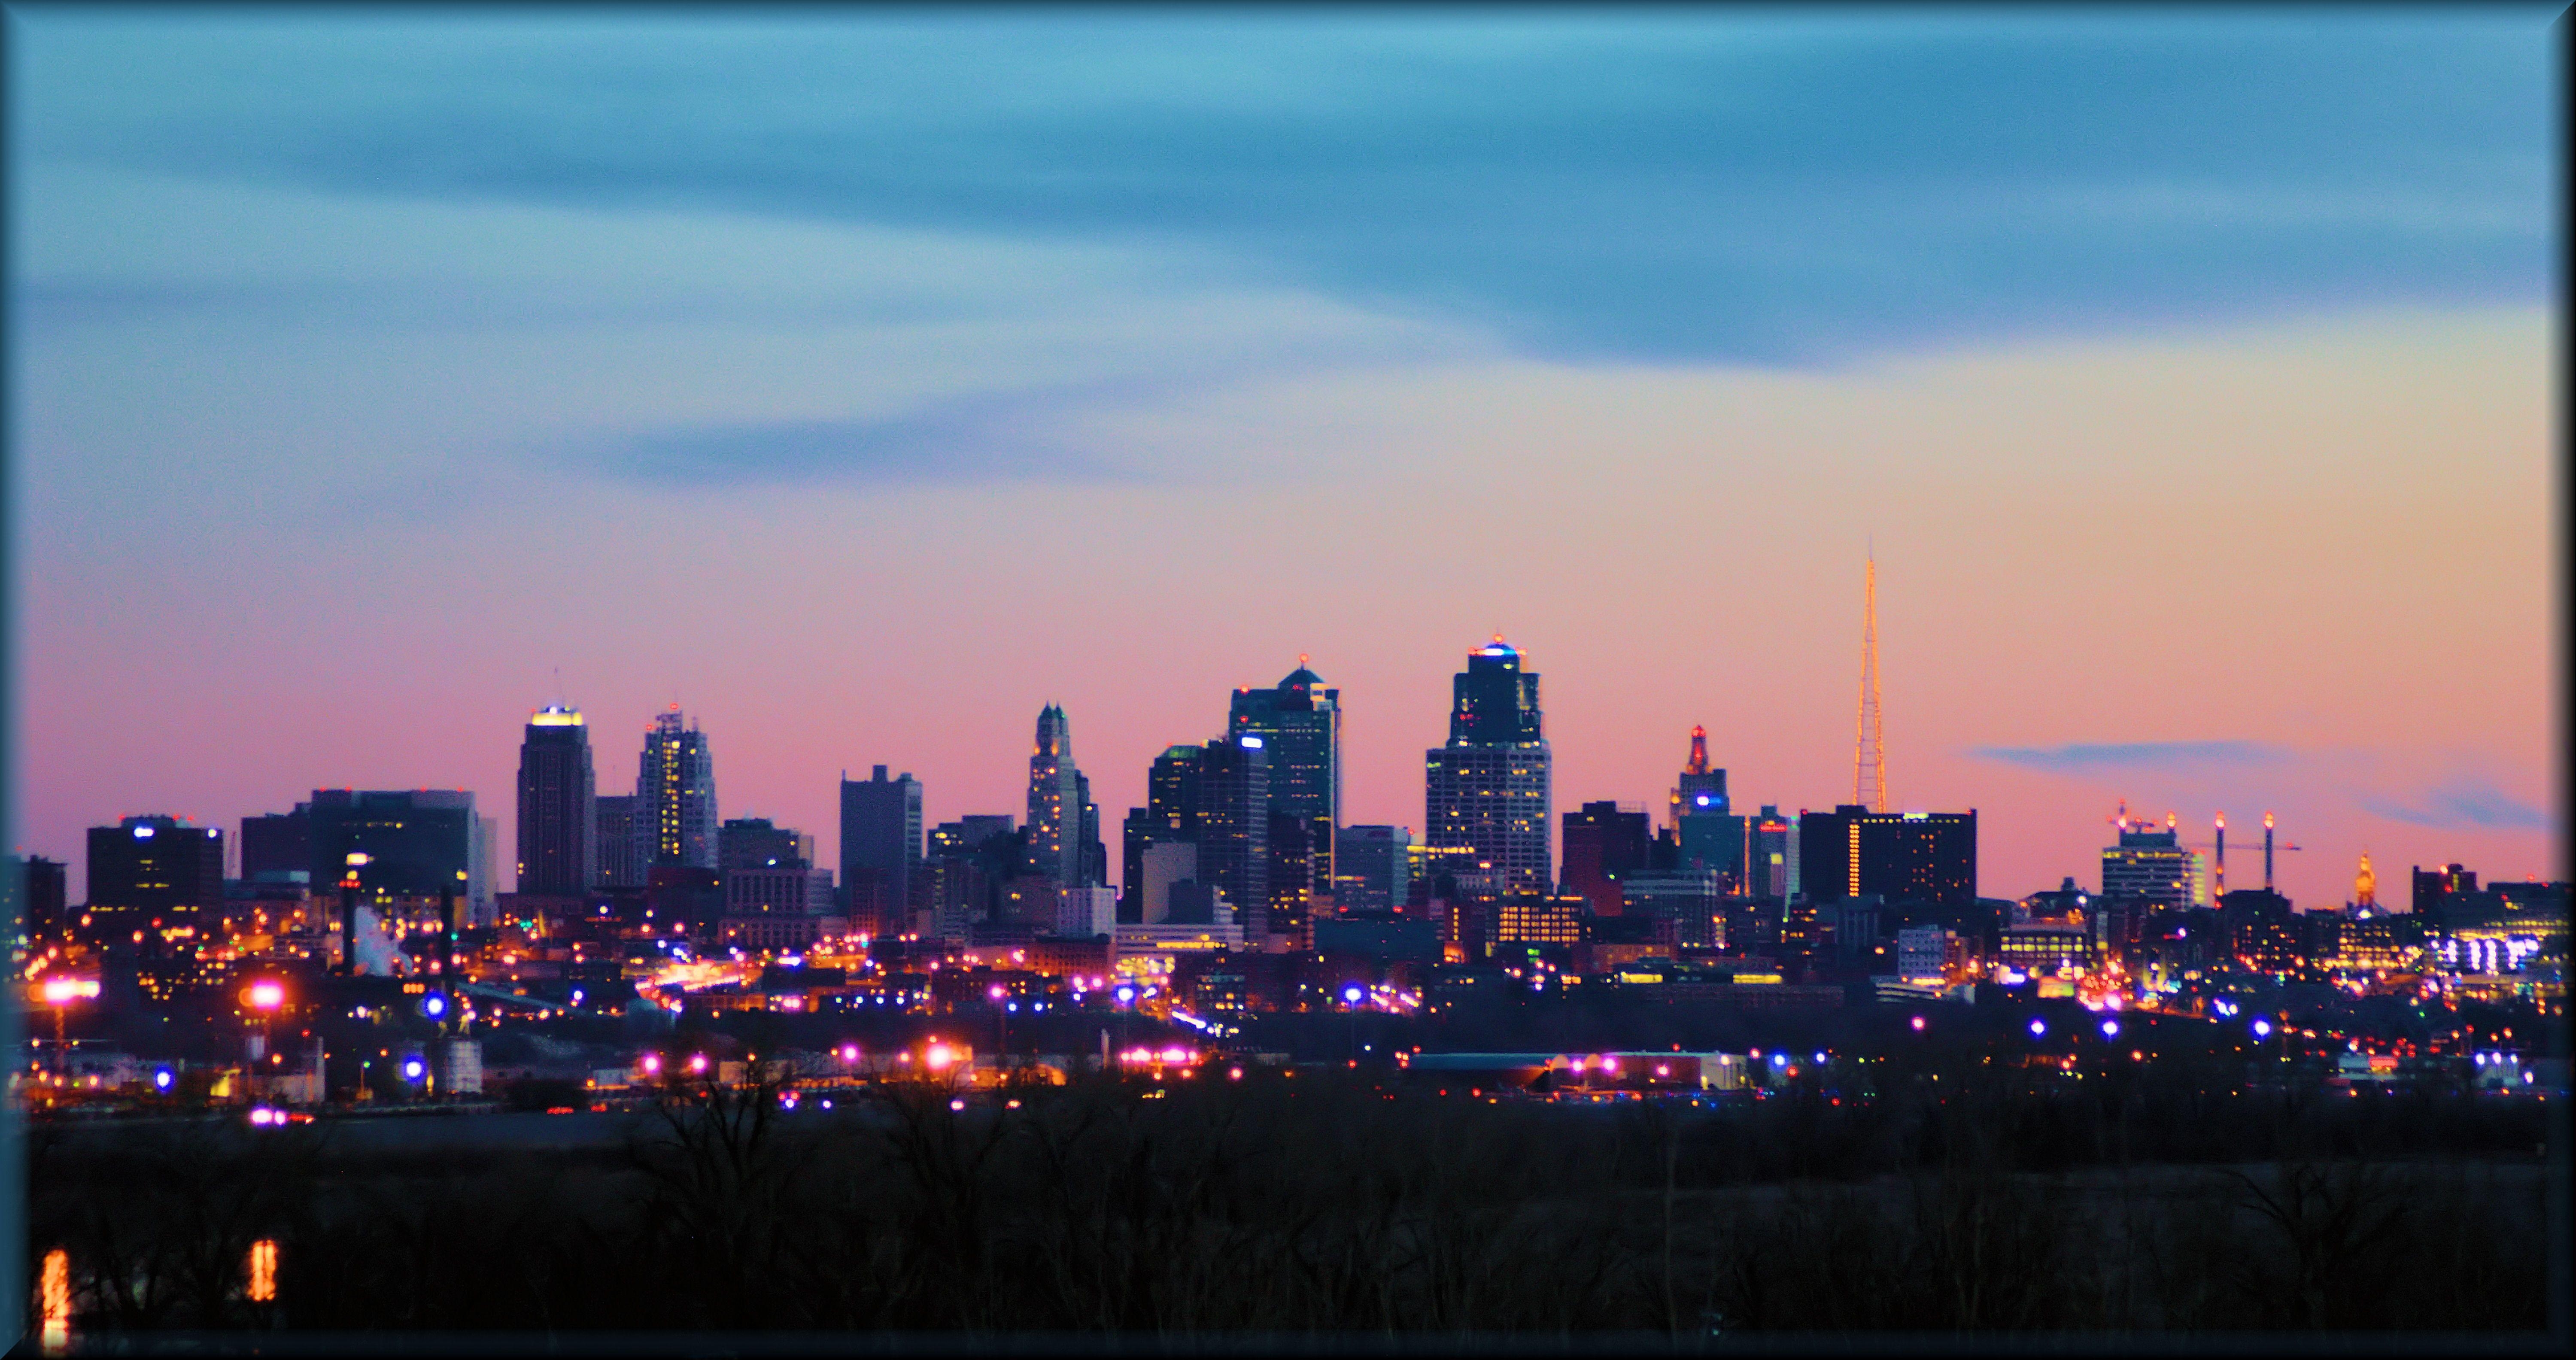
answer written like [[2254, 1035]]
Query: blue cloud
[[944, 446], [2469, 802], [1661, 185], [2137, 755]]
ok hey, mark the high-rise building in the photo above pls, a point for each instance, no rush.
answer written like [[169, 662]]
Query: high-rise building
[[880, 849], [1488, 788], [769, 871], [2433, 886], [558, 827], [1234, 827], [155, 864], [1910, 857], [1604, 844], [676, 779], [1056, 847], [1300, 726], [1371, 868], [1216, 799], [620, 821], [2151, 864]]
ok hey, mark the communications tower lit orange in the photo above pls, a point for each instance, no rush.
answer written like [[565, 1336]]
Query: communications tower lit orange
[[1869, 763]]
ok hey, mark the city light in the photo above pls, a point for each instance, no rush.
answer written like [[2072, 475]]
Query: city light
[[2110, 1029], [2038, 1027]]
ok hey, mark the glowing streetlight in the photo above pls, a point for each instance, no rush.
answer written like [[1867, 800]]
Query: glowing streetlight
[[2038, 1027], [60, 993]]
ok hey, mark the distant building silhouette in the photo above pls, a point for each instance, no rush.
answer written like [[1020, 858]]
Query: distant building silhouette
[[620, 840], [1604, 844], [1770, 855], [44, 901], [1488, 789], [155, 864], [558, 827], [881, 834]]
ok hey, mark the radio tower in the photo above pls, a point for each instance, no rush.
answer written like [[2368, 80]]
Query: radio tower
[[1869, 763]]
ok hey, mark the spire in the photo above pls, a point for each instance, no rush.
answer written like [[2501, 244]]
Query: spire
[[2365, 884], [1699, 752], [1869, 762]]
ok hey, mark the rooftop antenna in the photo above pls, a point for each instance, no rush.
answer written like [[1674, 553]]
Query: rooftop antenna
[[1869, 762]]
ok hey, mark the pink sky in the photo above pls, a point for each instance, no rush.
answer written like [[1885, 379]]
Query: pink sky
[[2330, 538]]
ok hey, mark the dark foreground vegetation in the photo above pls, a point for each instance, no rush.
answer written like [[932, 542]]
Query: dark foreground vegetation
[[1323, 1203]]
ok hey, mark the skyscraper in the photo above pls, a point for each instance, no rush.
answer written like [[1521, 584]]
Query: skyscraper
[[1488, 789], [880, 849], [1709, 834], [676, 780], [558, 827], [1234, 826], [1058, 838], [1300, 726]]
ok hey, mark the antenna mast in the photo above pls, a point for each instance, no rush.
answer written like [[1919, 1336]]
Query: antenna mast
[[1869, 762]]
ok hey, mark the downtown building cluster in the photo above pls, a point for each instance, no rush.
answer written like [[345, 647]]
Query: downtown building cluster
[[1238, 888]]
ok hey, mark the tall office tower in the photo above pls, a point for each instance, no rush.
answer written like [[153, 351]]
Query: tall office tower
[[880, 849], [558, 833], [1869, 763], [1708, 833], [2149, 863], [676, 779], [1604, 844], [1055, 847], [277, 847], [758, 843], [1234, 826], [152, 865], [1769, 855], [1900, 857], [1371, 868], [1488, 788], [44, 902], [1300, 726], [618, 839]]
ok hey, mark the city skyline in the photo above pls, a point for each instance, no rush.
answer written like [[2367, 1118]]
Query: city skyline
[[2193, 397]]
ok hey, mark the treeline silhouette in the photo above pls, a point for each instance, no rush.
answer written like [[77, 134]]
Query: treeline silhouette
[[1319, 1201]]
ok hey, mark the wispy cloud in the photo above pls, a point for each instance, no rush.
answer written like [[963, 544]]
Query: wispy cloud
[[2083, 757], [2465, 802]]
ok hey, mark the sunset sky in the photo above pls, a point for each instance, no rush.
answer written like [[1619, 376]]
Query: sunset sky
[[863, 381]]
